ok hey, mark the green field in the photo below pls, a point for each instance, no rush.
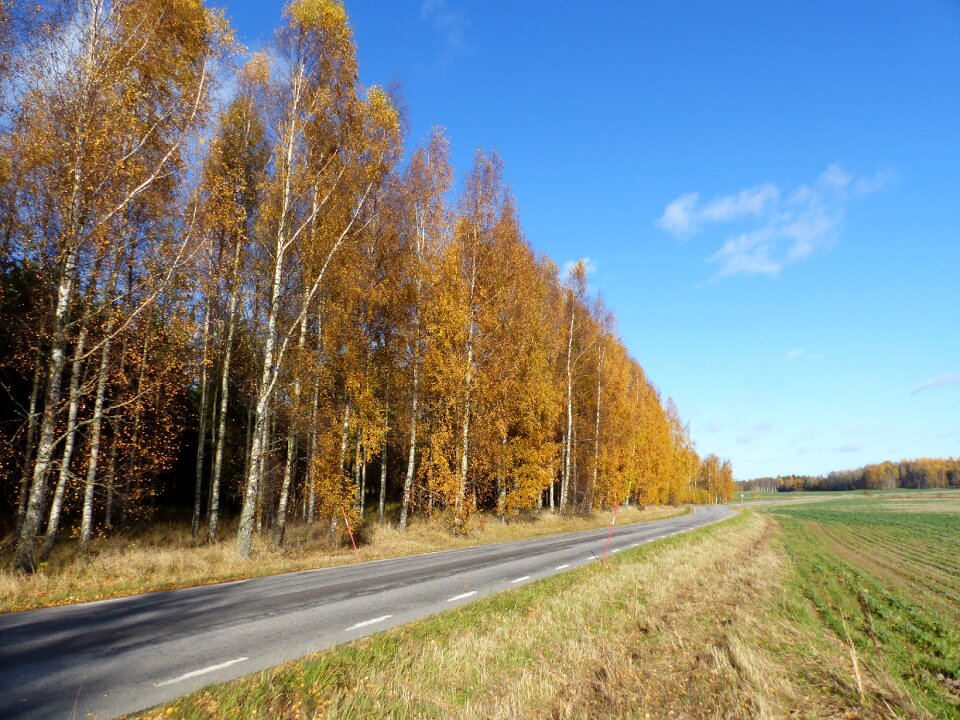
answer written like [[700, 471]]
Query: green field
[[884, 576]]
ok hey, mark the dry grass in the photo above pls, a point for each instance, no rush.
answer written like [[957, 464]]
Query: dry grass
[[691, 627], [166, 556]]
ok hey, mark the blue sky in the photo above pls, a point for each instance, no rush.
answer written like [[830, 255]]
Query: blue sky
[[768, 192]]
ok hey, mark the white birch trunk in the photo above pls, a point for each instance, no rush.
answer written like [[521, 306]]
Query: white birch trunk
[[213, 504], [314, 436], [267, 375], [411, 455], [383, 473], [567, 438], [53, 520], [202, 434], [596, 436], [23, 560], [86, 521], [289, 467]]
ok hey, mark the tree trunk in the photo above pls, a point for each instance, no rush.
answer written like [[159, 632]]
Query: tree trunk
[[86, 522], [289, 468], [411, 456], [31, 438], [314, 416], [213, 504], [312, 457], [202, 434], [53, 522], [462, 489], [363, 481], [567, 437], [596, 435], [23, 560], [356, 470], [383, 473], [264, 389], [111, 483], [501, 481]]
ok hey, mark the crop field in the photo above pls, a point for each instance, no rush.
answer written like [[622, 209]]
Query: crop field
[[884, 575]]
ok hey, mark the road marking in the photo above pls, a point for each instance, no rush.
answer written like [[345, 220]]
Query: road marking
[[201, 671], [368, 622], [520, 579], [615, 550], [562, 567], [635, 545], [462, 596]]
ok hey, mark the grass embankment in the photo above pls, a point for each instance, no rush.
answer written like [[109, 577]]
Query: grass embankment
[[694, 626], [164, 555], [884, 576]]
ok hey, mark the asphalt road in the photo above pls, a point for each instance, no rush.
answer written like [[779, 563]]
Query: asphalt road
[[107, 658]]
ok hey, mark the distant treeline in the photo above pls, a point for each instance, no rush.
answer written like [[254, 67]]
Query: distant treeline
[[918, 474]]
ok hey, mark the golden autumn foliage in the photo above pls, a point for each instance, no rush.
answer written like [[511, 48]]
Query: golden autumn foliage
[[261, 296]]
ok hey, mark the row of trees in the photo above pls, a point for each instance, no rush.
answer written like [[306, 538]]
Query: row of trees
[[924, 473], [260, 296]]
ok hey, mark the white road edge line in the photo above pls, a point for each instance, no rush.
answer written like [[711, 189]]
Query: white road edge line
[[201, 671], [368, 622], [462, 596], [520, 579], [562, 567], [615, 550]]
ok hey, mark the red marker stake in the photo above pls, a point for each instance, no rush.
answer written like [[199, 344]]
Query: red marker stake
[[352, 541], [610, 534]]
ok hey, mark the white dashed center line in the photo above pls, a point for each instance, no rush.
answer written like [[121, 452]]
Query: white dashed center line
[[368, 622], [201, 671], [562, 567], [462, 596]]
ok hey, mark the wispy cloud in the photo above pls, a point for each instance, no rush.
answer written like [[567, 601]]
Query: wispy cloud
[[777, 228], [794, 354], [850, 448], [450, 23], [686, 215], [938, 382]]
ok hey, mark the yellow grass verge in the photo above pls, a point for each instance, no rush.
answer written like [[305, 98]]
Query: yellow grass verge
[[165, 555]]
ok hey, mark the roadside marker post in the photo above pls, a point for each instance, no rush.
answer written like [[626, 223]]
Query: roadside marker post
[[610, 534], [352, 541]]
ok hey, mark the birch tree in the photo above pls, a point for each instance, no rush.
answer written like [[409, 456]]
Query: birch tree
[[331, 151]]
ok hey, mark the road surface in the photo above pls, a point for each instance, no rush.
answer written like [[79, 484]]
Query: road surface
[[107, 658]]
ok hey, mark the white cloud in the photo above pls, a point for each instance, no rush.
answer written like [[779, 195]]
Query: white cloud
[[794, 354], [450, 23], [938, 382], [777, 228], [686, 215], [850, 448]]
